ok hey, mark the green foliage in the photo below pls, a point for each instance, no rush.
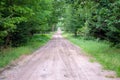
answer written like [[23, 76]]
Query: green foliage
[[99, 19], [20, 19]]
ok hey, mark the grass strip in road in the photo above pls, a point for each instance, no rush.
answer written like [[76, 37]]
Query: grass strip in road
[[10, 54], [108, 56]]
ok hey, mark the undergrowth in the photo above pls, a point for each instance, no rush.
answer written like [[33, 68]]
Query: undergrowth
[[12, 53]]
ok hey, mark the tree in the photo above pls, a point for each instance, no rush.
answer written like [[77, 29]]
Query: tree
[[94, 18], [20, 19]]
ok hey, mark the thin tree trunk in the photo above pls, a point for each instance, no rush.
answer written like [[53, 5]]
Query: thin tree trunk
[[7, 41]]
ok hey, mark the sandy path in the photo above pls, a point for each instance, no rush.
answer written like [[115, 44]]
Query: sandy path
[[57, 60]]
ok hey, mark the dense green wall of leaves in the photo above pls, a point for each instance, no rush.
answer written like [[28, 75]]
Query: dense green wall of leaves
[[20, 19], [94, 18]]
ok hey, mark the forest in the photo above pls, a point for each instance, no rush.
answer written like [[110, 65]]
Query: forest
[[94, 19], [25, 25], [21, 19]]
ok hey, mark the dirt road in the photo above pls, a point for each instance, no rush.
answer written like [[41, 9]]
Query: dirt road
[[57, 60]]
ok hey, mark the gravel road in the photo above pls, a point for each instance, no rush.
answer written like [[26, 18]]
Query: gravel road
[[57, 60]]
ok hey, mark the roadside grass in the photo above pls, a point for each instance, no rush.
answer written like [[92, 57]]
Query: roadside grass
[[10, 54], [108, 56]]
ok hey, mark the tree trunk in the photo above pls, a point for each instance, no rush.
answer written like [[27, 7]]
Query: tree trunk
[[7, 41], [75, 33]]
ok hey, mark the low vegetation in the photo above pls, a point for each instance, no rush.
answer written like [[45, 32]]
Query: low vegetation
[[12, 53], [108, 56]]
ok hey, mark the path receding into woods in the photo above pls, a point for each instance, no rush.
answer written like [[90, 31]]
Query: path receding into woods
[[57, 60]]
